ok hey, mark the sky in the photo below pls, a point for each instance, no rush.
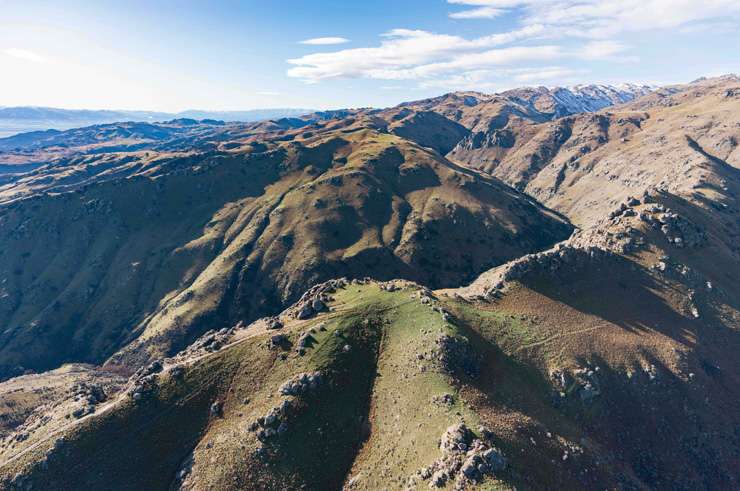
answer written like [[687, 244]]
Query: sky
[[318, 54]]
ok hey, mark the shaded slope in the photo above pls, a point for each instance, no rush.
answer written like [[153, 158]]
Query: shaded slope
[[427, 128]]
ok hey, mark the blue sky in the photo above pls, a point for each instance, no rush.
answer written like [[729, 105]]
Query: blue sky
[[220, 55]]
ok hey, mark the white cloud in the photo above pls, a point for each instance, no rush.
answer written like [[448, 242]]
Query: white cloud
[[479, 13], [24, 54], [268, 93], [595, 50], [409, 54], [325, 41], [605, 18], [547, 32], [546, 73], [713, 26], [489, 58], [486, 3], [501, 78]]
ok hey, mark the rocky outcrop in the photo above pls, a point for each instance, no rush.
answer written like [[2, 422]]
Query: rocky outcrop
[[456, 355], [274, 423], [564, 255], [315, 299], [466, 459], [302, 384]]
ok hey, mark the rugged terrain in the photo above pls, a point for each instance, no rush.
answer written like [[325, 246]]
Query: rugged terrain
[[493, 345], [144, 252], [587, 163]]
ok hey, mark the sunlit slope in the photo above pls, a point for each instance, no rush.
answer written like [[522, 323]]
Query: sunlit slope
[[373, 393]]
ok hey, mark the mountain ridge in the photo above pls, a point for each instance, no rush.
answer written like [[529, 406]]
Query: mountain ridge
[[586, 343], [19, 119]]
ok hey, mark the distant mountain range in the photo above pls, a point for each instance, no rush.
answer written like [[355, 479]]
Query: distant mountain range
[[21, 119], [565, 100], [562, 101]]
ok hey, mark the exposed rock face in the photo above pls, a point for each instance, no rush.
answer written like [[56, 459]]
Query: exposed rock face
[[465, 460], [275, 422], [302, 384], [565, 255], [314, 300]]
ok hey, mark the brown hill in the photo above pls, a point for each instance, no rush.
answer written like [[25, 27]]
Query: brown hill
[[154, 250], [683, 139]]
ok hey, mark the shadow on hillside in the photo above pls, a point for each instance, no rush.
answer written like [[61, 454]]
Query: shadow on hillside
[[517, 389], [716, 215], [331, 424], [636, 416], [631, 423], [622, 293]]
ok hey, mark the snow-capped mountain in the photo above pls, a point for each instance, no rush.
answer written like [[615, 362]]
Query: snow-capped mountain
[[593, 97], [555, 102]]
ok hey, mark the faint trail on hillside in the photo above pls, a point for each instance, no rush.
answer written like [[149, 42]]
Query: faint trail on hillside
[[555, 336]]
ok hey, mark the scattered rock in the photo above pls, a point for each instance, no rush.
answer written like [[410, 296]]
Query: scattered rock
[[305, 312], [83, 411], [306, 340], [278, 340], [317, 305], [465, 459], [444, 399], [439, 478], [275, 422], [302, 384], [315, 299], [455, 438]]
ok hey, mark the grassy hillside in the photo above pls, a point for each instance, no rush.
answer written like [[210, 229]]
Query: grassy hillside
[[198, 275], [397, 369], [178, 245]]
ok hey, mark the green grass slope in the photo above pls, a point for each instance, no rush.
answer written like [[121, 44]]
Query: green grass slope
[[389, 390]]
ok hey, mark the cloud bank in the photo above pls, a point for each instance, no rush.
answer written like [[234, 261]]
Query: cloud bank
[[546, 31], [24, 54]]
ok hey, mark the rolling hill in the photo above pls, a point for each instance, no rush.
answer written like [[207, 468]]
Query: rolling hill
[[147, 252], [375, 299]]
